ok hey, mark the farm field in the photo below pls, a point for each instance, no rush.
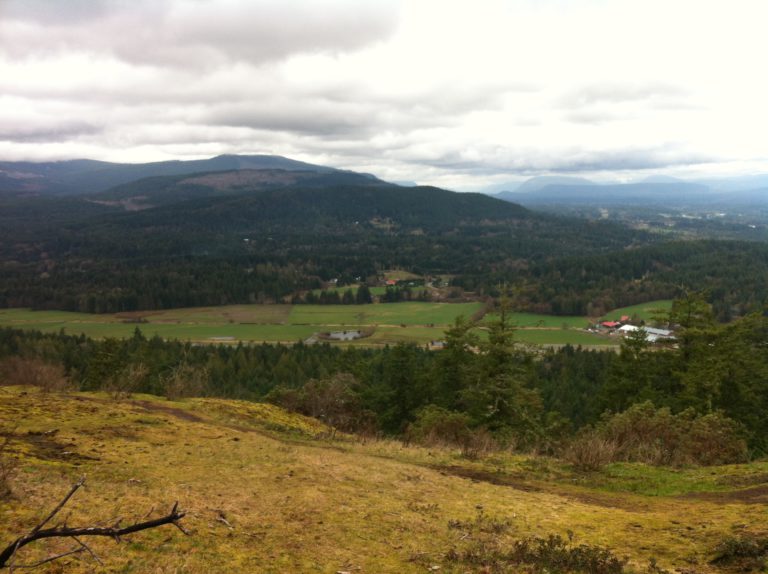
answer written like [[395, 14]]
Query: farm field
[[643, 311], [538, 321], [411, 313], [415, 322], [563, 337]]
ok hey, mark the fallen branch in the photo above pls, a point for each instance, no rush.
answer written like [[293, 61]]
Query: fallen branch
[[115, 532]]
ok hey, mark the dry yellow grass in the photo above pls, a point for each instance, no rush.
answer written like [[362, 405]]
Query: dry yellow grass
[[264, 494]]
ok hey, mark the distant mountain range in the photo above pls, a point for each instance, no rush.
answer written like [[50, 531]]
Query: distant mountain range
[[657, 190], [85, 176]]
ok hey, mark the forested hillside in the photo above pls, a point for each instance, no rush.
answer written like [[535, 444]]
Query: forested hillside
[[266, 235], [199, 245]]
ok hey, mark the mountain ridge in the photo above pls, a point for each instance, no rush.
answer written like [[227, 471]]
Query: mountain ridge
[[84, 176]]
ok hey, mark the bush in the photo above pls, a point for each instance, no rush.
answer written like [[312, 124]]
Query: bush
[[589, 451], [333, 400], [488, 549], [126, 381], [34, 372], [745, 553], [715, 439], [436, 426], [555, 554], [643, 433], [480, 442], [185, 380]]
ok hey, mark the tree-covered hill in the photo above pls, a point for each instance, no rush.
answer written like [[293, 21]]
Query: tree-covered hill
[[262, 235], [241, 236]]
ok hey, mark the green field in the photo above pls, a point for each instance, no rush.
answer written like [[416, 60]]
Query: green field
[[414, 322], [562, 337], [535, 320], [641, 312], [411, 313]]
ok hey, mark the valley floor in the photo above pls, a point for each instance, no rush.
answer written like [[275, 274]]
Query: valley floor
[[388, 323]]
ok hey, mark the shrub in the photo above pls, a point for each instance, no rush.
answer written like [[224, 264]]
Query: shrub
[[555, 554], [435, 425], [745, 553], [589, 451], [486, 548], [126, 381], [715, 439], [185, 380], [643, 433], [35, 372], [480, 442]]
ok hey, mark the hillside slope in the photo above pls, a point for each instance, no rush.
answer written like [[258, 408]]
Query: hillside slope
[[265, 492]]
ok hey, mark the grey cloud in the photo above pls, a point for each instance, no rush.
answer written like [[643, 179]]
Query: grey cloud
[[47, 132], [536, 162], [621, 93], [592, 117], [361, 113], [602, 104], [54, 11], [196, 34], [295, 115]]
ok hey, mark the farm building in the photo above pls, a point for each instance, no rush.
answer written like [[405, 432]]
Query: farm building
[[344, 335], [652, 334]]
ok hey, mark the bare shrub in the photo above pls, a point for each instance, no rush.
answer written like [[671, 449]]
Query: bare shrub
[[478, 444], [590, 451], [124, 383], [185, 380], [49, 377], [334, 400]]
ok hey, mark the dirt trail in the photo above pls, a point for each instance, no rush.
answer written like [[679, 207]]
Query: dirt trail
[[179, 413], [607, 500], [753, 495]]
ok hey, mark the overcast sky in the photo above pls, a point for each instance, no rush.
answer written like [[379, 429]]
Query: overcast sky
[[460, 94]]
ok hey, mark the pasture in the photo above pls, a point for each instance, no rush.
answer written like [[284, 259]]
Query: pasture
[[391, 323], [642, 312]]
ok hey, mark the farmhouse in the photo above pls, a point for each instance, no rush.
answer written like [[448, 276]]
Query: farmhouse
[[652, 334]]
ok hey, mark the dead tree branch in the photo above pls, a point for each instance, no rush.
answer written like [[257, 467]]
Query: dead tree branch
[[115, 532]]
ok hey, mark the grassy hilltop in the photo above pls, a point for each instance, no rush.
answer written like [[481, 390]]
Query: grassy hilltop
[[268, 491]]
